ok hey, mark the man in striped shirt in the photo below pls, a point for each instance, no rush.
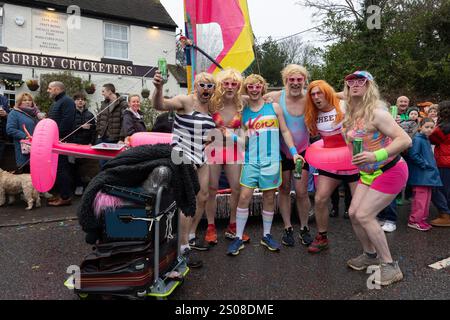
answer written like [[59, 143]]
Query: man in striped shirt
[[192, 126]]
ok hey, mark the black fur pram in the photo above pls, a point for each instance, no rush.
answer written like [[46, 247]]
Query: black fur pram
[[132, 257]]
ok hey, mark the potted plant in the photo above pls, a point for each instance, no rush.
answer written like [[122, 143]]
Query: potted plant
[[145, 93], [32, 84], [89, 87]]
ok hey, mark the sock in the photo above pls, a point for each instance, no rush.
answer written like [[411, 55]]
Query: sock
[[191, 236], [212, 226], [184, 247], [371, 255], [241, 220], [232, 225], [323, 234], [267, 221]]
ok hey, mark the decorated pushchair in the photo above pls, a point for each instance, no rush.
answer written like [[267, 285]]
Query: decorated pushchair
[[136, 245]]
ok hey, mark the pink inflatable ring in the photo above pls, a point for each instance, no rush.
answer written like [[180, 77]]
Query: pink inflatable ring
[[329, 159]]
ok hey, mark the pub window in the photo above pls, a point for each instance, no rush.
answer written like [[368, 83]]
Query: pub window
[[9, 91], [116, 41]]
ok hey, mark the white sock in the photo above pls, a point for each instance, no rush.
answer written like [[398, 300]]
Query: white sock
[[241, 220], [191, 236], [267, 221]]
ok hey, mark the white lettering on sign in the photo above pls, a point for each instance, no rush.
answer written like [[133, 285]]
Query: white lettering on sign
[[49, 32]]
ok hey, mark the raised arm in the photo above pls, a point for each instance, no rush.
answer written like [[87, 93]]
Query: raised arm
[[159, 102]]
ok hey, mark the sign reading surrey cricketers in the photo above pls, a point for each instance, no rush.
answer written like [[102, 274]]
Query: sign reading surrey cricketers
[[72, 64]]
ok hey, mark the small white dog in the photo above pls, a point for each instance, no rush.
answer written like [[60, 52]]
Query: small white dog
[[15, 184]]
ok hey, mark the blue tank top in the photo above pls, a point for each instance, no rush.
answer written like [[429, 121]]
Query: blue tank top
[[263, 133], [297, 127]]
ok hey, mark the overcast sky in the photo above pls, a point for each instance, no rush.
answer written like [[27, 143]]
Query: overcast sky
[[279, 18]]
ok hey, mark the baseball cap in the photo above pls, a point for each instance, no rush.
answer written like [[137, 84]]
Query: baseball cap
[[359, 74]]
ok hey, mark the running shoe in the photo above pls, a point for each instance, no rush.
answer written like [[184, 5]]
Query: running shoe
[[319, 244], [270, 243], [235, 247]]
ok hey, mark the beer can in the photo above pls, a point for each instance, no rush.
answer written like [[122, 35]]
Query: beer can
[[394, 111], [162, 66], [357, 146], [298, 169]]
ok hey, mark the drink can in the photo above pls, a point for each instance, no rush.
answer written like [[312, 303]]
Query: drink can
[[394, 111], [162, 66], [357, 146], [298, 169]]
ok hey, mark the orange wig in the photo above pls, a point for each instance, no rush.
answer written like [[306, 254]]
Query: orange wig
[[312, 112]]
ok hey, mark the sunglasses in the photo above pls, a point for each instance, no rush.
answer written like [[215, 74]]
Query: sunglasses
[[356, 82], [314, 94], [206, 85], [252, 87], [228, 84], [293, 79]]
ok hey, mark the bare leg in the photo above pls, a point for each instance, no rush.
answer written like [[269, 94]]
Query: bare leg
[[245, 197], [269, 200], [233, 173], [185, 223], [361, 234], [284, 201], [302, 199], [202, 197], [211, 204], [325, 187], [372, 203]]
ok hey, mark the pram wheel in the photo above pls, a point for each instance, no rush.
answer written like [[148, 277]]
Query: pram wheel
[[83, 296]]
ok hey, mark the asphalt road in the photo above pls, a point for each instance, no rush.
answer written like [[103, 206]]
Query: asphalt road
[[37, 247]]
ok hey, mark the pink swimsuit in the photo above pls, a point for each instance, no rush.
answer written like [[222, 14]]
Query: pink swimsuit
[[226, 154]]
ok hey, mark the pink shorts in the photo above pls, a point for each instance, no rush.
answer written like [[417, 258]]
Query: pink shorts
[[393, 180]]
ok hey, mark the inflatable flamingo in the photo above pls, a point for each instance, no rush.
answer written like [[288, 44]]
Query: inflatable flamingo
[[45, 148]]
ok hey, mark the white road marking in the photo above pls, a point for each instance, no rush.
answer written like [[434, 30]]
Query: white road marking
[[441, 264]]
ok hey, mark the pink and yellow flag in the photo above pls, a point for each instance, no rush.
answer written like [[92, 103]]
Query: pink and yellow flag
[[222, 29]]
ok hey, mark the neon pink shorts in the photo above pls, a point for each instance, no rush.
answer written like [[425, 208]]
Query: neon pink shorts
[[393, 180]]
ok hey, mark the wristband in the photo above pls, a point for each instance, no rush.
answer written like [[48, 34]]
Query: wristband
[[293, 151], [381, 155]]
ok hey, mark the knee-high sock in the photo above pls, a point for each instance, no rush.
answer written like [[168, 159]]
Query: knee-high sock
[[241, 220], [267, 221]]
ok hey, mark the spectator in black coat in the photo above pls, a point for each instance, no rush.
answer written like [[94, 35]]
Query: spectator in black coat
[[86, 134], [62, 112], [132, 120]]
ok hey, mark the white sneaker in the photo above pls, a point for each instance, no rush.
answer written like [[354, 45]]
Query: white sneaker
[[79, 191], [389, 226], [381, 222]]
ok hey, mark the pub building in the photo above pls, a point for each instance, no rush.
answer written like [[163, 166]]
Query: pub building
[[111, 41]]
